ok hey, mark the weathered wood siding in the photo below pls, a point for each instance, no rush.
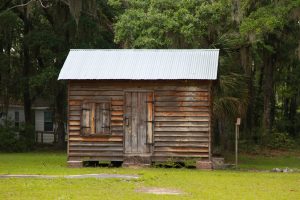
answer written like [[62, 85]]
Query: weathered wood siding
[[104, 147], [181, 126]]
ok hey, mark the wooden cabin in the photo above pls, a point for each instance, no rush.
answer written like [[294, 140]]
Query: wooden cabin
[[139, 106]]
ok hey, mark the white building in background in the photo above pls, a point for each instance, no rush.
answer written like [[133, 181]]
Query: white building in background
[[43, 121]]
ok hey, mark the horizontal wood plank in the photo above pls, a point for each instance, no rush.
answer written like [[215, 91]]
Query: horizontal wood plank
[[181, 149], [115, 113], [179, 114], [117, 118], [182, 139], [74, 128], [95, 148], [117, 123], [96, 98], [74, 132], [75, 103], [74, 122], [182, 93], [74, 117], [181, 103], [157, 158], [182, 108], [96, 158], [96, 154], [180, 154], [180, 123], [179, 144], [184, 129], [181, 119], [95, 144], [96, 93], [75, 108], [180, 134], [97, 139], [117, 102], [74, 112], [179, 85], [116, 128], [180, 99]]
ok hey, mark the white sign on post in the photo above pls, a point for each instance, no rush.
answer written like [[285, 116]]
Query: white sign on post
[[238, 121]]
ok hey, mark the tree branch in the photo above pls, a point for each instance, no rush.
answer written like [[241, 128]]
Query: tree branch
[[21, 5], [30, 1], [41, 2]]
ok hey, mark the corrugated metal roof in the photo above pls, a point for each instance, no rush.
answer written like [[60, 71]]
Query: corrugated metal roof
[[141, 64]]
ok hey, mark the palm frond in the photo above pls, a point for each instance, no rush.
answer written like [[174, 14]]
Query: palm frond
[[231, 96]]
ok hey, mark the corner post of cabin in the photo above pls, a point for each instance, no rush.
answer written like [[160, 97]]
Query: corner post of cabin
[[210, 99], [68, 113]]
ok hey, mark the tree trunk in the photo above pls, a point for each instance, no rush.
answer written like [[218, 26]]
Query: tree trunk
[[292, 115], [4, 87], [246, 62], [268, 92], [26, 74], [60, 117], [236, 12]]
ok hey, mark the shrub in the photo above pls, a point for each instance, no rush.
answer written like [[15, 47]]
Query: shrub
[[26, 137], [16, 140], [8, 138], [280, 141]]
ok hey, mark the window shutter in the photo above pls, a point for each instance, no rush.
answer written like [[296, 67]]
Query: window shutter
[[103, 118], [86, 120]]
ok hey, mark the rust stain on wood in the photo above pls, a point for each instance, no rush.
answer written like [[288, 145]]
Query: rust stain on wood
[[74, 103]]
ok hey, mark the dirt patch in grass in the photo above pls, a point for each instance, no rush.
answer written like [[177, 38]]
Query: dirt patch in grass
[[160, 191]]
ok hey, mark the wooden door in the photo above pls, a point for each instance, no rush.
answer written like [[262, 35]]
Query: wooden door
[[138, 123]]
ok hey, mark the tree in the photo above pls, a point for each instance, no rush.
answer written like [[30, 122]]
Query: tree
[[48, 29], [263, 29], [251, 35], [9, 73]]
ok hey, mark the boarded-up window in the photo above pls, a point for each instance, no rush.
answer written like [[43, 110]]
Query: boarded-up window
[[95, 118]]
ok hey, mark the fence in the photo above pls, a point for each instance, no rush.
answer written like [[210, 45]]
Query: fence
[[45, 137]]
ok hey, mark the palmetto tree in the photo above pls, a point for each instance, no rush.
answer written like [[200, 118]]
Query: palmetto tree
[[230, 102]]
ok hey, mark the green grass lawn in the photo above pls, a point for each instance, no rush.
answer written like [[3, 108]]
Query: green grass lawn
[[267, 163], [227, 184], [269, 160]]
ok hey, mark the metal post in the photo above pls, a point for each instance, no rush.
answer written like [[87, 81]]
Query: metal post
[[236, 145], [238, 122]]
